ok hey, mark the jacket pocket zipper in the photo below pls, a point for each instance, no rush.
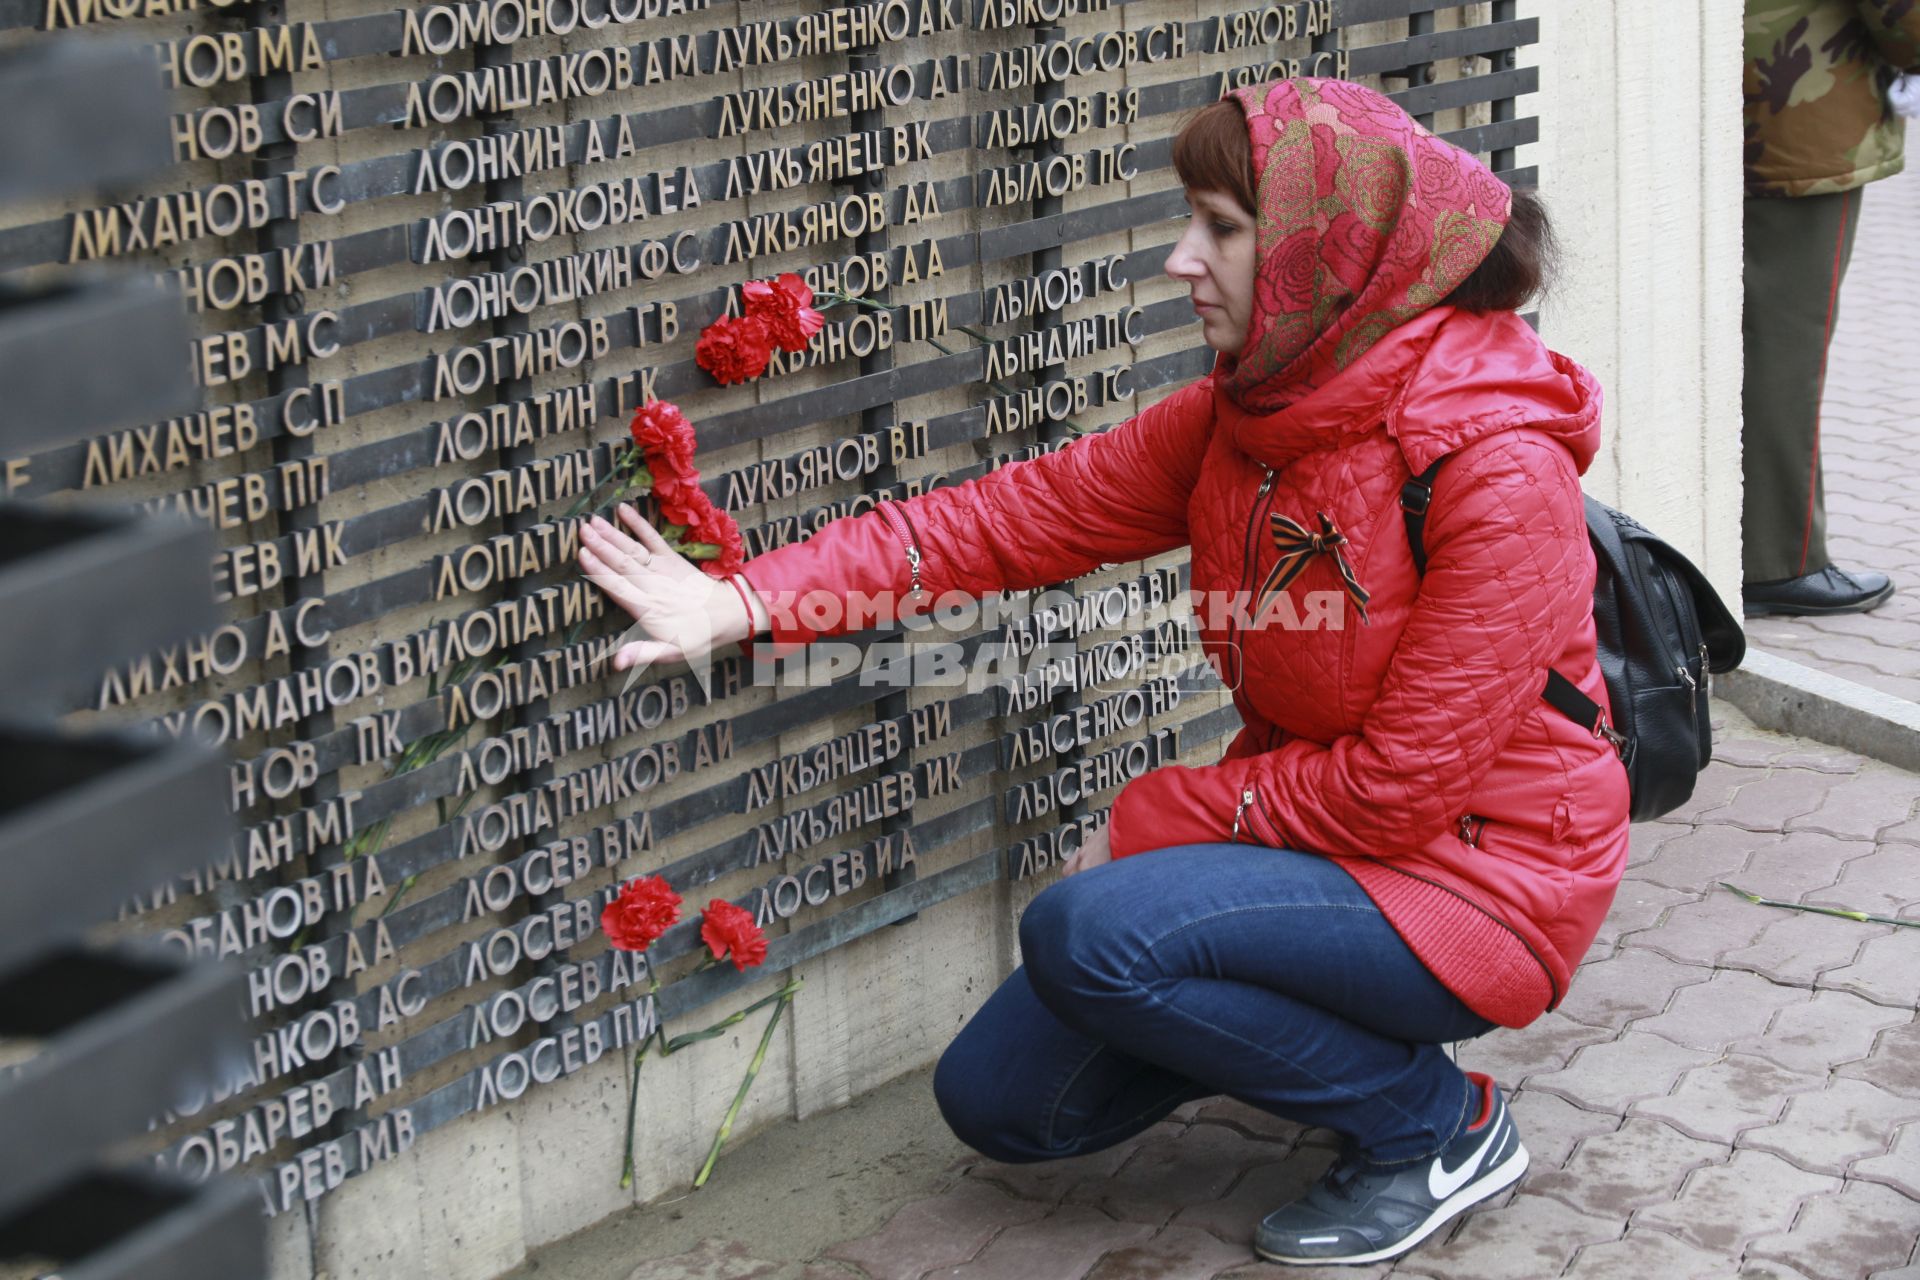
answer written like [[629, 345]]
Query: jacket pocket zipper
[[1472, 827], [903, 530], [1273, 827], [1246, 798]]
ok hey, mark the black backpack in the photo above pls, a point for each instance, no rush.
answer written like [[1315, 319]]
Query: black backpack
[[1661, 629]]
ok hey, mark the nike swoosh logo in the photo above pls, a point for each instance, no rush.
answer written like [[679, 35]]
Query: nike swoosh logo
[[1441, 1184]]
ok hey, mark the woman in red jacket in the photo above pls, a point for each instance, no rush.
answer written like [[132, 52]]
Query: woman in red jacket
[[1405, 846]]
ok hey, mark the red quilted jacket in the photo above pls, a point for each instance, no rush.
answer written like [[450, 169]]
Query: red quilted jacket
[[1413, 749]]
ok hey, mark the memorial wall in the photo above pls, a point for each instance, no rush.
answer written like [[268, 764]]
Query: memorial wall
[[435, 258]]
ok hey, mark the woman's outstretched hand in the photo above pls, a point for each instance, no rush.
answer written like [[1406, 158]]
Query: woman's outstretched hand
[[684, 613]]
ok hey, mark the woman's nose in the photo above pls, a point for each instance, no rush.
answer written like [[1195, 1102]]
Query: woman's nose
[[1184, 263]]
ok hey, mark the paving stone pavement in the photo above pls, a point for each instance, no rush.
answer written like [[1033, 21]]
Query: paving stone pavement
[[1729, 1092], [1871, 468]]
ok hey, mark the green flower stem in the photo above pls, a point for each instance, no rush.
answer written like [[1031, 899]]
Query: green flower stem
[[1862, 917], [782, 999], [398, 894], [633, 1086], [627, 471], [779, 999], [633, 1102], [835, 299], [368, 840], [873, 305], [694, 1037]]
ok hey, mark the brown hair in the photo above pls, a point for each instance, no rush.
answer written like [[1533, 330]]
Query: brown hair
[[1211, 153], [1520, 266]]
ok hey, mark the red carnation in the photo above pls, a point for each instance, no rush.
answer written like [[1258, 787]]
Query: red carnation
[[720, 529], [684, 503], [680, 497], [644, 909], [786, 304], [730, 932], [665, 436], [734, 349]]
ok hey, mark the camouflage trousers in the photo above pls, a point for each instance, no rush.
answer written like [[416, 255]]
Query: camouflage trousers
[[1797, 250]]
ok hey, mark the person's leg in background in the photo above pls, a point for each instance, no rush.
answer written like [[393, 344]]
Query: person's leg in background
[[1797, 251]]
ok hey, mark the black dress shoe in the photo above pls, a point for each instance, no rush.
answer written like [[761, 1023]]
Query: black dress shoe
[[1830, 590]]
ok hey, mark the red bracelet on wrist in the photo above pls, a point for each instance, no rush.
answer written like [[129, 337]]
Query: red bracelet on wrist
[[745, 603]]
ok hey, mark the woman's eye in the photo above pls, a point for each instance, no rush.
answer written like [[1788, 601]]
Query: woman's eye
[[1224, 228]]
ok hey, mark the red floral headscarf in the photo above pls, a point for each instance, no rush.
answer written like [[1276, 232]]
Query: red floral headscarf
[[1365, 220]]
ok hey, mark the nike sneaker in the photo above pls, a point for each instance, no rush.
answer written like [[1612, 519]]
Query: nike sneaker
[[1360, 1212]]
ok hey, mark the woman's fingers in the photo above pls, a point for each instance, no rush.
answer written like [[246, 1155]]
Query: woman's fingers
[[632, 655], [649, 536], [651, 571], [666, 594], [642, 547], [1095, 852], [619, 548], [619, 586]]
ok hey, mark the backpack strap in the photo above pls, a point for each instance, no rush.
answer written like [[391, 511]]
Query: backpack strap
[[1565, 697], [1416, 495]]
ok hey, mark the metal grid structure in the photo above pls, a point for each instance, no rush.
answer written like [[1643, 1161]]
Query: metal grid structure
[[436, 256], [100, 1038]]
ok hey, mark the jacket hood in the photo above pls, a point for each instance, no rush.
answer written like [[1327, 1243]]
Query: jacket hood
[[1364, 221], [1439, 382]]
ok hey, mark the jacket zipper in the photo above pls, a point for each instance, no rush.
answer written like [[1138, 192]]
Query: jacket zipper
[[1248, 543], [903, 529], [1247, 571], [1248, 568], [1553, 986], [1472, 827]]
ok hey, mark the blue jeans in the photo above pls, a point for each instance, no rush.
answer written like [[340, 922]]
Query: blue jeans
[[1263, 974]]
